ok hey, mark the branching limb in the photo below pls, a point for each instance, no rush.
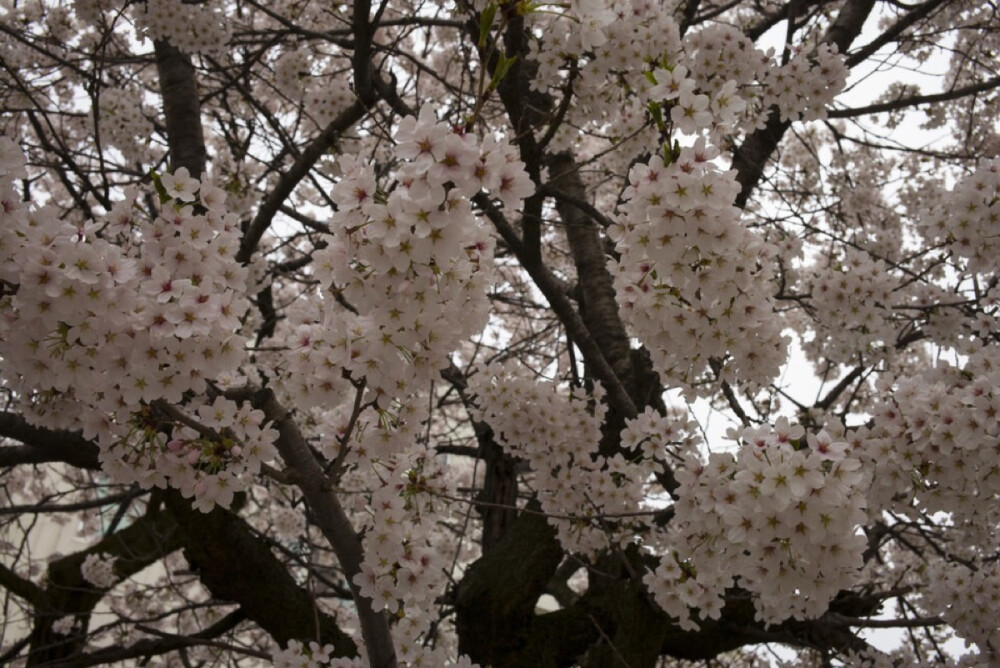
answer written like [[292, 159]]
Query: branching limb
[[332, 521]]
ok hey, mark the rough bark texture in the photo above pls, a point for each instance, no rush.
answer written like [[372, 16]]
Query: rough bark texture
[[495, 602], [499, 494], [181, 108], [264, 589], [598, 305]]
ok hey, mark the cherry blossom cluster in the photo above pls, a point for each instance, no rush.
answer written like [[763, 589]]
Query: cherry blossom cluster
[[100, 336], [851, 300], [690, 110], [293, 72], [326, 99], [780, 518], [315, 80], [404, 280], [405, 571], [718, 54], [592, 17], [410, 262], [65, 625], [124, 125], [210, 455], [99, 570], [91, 314], [609, 38], [609, 90], [654, 436], [402, 572], [192, 28], [802, 88], [687, 261], [728, 84], [968, 218], [90, 11], [935, 443], [966, 599], [311, 655], [587, 496], [286, 522]]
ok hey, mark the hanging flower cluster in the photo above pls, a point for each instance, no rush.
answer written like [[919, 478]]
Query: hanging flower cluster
[[966, 599], [406, 275], [851, 300], [730, 79], [693, 282], [805, 86], [935, 444], [125, 125], [104, 321], [99, 570], [192, 28], [780, 518], [968, 218]]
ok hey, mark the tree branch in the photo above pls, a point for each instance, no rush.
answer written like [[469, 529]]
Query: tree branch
[[44, 445], [181, 108], [550, 287], [289, 180], [750, 158], [262, 586], [151, 647], [916, 100], [332, 521]]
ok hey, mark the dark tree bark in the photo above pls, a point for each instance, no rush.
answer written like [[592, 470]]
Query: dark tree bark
[[264, 589], [495, 601], [181, 108]]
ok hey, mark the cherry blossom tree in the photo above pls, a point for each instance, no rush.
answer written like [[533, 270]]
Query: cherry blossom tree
[[496, 333]]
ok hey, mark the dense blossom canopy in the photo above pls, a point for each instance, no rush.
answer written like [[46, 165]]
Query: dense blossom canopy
[[499, 333]]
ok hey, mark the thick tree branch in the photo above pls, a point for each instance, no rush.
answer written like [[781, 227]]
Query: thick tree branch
[[550, 286], [21, 587], [894, 32], [181, 108], [495, 611], [599, 306], [332, 521], [265, 590], [44, 445], [363, 30]]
